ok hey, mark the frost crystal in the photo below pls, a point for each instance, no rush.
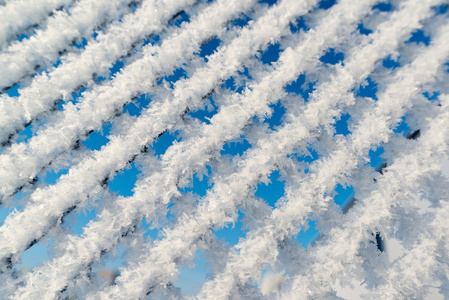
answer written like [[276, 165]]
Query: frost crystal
[[281, 149]]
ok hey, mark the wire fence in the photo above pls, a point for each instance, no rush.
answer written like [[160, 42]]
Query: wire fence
[[298, 147]]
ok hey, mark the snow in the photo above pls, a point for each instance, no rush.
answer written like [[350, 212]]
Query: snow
[[203, 74]]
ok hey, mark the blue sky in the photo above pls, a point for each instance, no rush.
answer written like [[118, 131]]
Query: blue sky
[[123, 183]]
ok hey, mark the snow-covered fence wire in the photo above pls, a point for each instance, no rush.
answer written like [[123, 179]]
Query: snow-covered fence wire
[[218, 105]]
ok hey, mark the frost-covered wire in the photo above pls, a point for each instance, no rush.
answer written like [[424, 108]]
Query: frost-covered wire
[[75, 186], [18, 16], [77, 69], [139, 135], [338, 254], [22, 162], [280, 221], [210, 211], [407, 278], [20, 59], [421, 70], [253, 254], [152, 267]]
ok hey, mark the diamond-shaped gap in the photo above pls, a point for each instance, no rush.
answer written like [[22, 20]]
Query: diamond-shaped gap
[[231, 233], [95, 33], [241, 21], [299, 24], [79, 92], [308, 234], [275, 119], [52, 176], [35, 256], [341, 125], [271, 190], [206, 113], [135, 107], [209, 48], [98, 139], [237, 83], [164, 141], [80, 43], [138, 47], [343, 196], [332, 57], [116, 68], [236, 146], [306, 156], [391, 63], [301, 86], [271, 54], [149, 231], [230, 84], [124, 181], [75, 221], [199, 184], [402, 127], [367, 89], [175, 75], [375, 156], [418, 37]]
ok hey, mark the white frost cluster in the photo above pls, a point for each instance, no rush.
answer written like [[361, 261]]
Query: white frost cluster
[[47, 68]]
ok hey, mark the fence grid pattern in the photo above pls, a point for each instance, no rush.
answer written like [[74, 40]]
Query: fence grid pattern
[[339, 107]]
